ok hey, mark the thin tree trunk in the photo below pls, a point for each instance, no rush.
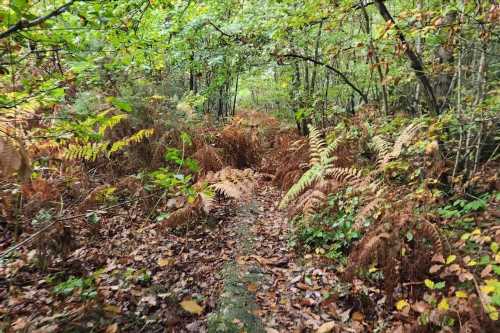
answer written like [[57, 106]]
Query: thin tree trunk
[[236, 92], [316, 57], [376, 62], [415, 62]]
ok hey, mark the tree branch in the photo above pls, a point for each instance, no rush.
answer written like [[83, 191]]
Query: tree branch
[[415, 62], [333, 69], [25, 24]]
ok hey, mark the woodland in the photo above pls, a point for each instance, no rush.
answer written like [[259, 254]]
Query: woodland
[[249, 166]]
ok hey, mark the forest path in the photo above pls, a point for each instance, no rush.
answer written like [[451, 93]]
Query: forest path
[[268, 287]]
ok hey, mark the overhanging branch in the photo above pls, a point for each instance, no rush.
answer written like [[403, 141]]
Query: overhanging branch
[[333, 69], [25, 24]]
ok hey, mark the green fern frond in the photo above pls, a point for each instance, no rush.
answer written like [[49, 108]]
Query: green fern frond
[[307, 179], [316, 145]]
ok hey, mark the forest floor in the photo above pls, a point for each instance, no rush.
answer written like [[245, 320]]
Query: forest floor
[[234, 272]]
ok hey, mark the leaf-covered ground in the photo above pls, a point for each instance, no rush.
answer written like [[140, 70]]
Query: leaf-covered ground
[[234, 272]]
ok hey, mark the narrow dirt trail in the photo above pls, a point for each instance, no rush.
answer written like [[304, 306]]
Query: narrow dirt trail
[[270, 288]]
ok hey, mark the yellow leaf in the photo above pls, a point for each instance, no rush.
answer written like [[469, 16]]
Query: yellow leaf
[[465, 236], [493, 315], [476, 232], [497, 258], [401, 304], [443, 305], [451, 259], [112, 309], [429, 284], [162, 262], [191, 307], [487, 289], [472, 263], [461, 294]]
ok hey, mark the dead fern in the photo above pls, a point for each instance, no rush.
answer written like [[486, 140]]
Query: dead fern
[[14, 159], [383, 245], [240, 145], [190, 213], [208, 159], [231, 183], [228, 182]]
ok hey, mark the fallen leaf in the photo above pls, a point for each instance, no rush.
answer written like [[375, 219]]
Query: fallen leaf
[[438, 258], [20, 324], [112, 328], [327, 327], [401, 304], [162, 262], [271, 330], [357, 316], [420, 307], [191, 307], [486, 271], [435, 268]]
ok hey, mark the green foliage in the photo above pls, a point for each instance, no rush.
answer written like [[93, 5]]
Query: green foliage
[[84, 286], [331, 233], [462, 207]]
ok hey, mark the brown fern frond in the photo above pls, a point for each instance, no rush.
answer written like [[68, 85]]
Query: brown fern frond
[[328, 186], [228, 189], [314, 203], [208, 159], [229, 182], [371, 246], [368, 210], [309, 203], [343, 174], [429, 231], [383, 149], [240, 145]]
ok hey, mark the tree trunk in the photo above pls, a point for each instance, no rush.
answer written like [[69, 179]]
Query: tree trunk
[[415, 61]]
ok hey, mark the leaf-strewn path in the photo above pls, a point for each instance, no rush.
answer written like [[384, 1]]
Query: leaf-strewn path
[[237, 266]]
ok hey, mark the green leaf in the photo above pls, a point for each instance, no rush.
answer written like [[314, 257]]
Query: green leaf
[[121, 104], [440, 285]]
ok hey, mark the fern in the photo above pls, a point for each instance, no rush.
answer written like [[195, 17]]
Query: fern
[[90, 151], [321, 167], [387, 151], [86, 151], [404, 138]]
